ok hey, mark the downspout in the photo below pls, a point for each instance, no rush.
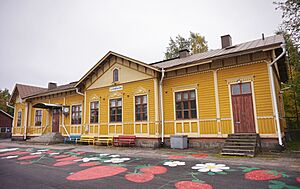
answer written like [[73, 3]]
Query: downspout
[[274, 94], [162, 104], [77, 91], [84, 109], [7, 104], [26, 120]]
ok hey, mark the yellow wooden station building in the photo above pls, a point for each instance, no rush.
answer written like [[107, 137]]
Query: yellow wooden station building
[[206, 96]]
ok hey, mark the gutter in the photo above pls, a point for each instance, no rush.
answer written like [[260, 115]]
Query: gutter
[[162, 104], [274, 94]]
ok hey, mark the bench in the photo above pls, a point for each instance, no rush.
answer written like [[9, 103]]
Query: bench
[[87, 139], [73, 138], [124, 139], [104, 139]]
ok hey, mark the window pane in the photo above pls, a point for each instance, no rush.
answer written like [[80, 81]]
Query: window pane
[[119, 118], [246, 88], [178, 115], [193, 104], [145, 116], [138, 109], [112, 103], [186, 105], [120, 102], [138, 117], [178, 96], [185, 95], [144, 99], [137, 100], [186, 114], [145, 108], [192, 95], [119, 111], [178, 105], [194, 113], [235, 89]]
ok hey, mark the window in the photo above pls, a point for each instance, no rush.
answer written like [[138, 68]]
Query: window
[[241, 88], [76, 114], [19, 119], [141, 108], [116, 75], [94, 113], [186, 105], [38, 117], [115, 110]]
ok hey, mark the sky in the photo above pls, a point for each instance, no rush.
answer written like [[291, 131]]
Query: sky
[[60, 40]]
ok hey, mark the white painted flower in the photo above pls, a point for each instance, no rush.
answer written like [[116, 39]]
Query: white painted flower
[[8, 149], [101, 155], [54, 153], [114, 156], [210, 167], [36, 153], [116, 160], [88, 159], [44, 150], [10, 157], [174, 163]]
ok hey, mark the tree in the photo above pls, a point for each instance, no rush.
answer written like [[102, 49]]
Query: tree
[[290, 27], [291, 19], [4, 97], [195, 44]]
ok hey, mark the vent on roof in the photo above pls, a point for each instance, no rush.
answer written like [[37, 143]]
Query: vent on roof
[[184, 53], [52, 85], [226, 41]]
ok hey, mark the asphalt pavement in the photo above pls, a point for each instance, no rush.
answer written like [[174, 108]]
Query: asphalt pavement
[[67, 166]]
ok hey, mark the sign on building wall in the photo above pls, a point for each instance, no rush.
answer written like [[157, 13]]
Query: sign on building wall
[[116, 88]]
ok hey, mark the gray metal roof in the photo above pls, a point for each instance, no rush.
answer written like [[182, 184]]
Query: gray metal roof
[[248, 46]]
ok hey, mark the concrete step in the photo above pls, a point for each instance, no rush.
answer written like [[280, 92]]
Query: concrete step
[[239, 143], [240, 140], [243, 137], [237, 154], [238, 147]]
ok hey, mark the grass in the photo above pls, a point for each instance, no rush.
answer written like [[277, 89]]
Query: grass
[[294, 145]]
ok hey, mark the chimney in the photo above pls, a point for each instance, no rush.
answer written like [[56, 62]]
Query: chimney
[[184, 53], [226, 41], [52, 85]]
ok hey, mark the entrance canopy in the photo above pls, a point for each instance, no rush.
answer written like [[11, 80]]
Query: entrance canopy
[[46, 106]]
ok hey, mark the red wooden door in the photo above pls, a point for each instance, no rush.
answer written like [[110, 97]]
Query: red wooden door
[[242, 108], [55, 120]]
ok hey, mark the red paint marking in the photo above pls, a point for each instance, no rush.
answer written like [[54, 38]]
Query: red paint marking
[[61, 156], [176, 157], [14, 153], [24, 162], [89, 164], [72, 158], [200, 155], [262, 175], [29, 157], [97, 173], [63, 163], [139, 178], [49, 152], [298, 179], [154, 170], [192, 185], [2, 147]]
